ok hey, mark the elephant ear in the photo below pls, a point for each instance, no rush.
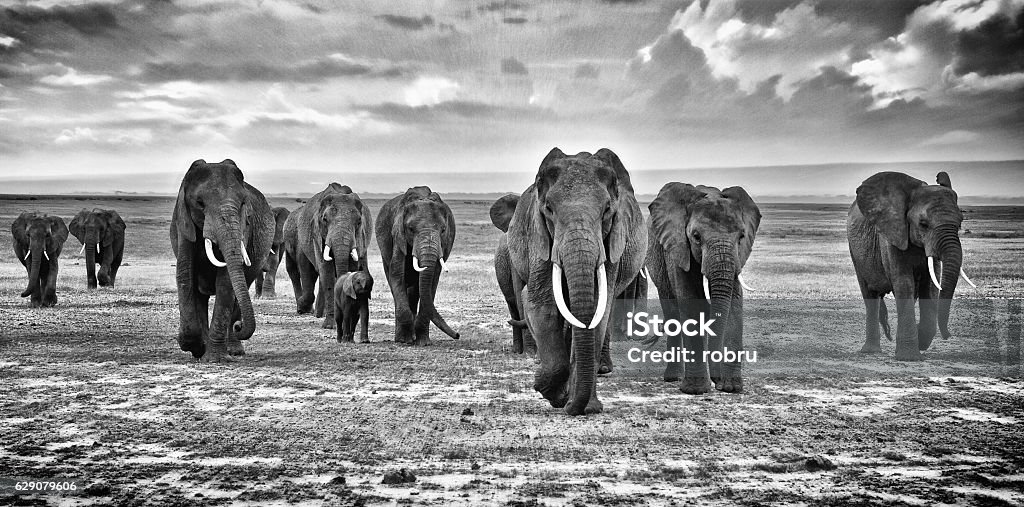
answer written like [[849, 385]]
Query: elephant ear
[[348, 287], [182, 218], [280, 216], [540, 236], [76, 226], [749, 219], [669, 216], [19, 229], [448, 240], [943, 179], [621, 174], [58, 229], [618, 234], [502, 211], [116, 225], [884, 199]]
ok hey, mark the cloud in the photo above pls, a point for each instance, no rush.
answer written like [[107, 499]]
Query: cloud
[[88, 18], [319, 69], [951, 137], [110, 137], [995, 46], [8, 42], [429, 91], [514, 20], [513, 66], [407, 22], [586, 71], [72, 77], [501, 6]]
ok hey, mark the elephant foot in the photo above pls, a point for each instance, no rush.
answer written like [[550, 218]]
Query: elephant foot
[[422, 341], [269, 295], [673, 372], [218, 357], [193, 344], [871, 348], [730, 385], [594, 406], [329, 323], [924, 340], [909, 355], [345, 339], [605, 368], [698, 385], [235, 348], [303, 310], [517, 346]]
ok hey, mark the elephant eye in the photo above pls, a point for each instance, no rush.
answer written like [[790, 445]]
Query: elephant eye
[[924, 224], [696, 236], [742, 235]]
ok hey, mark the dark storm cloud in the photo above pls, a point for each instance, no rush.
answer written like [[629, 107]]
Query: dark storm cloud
[[513, 66], [317, 70], [88, 19], [886, 16], [994, 47], [407, 22], [586, 71]]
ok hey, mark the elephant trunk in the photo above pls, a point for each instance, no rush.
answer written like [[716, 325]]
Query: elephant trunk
[[947, 245], [90, 260], [429, 258], [36, 247], [579, 260], [720, 270], [230, 236]]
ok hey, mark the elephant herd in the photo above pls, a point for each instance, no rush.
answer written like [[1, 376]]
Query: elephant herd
[[575, 250]]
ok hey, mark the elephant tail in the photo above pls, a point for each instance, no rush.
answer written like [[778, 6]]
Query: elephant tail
[[883, 318]]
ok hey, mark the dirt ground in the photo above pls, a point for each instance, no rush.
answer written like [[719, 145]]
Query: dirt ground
[[95, 389]]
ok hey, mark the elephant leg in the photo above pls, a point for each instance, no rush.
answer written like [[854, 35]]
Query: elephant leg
[[420, 320], [325, 309], [872, 301], [517, 332], [220, 324], [235, 347], [906, 327], [696, 371], [928, 325], [292, 267], [604, 363], [320, 301], [259, 285], [364, 322], [553, 350], [49, 297], [269, 280], [308, 275], [519, 288], [404, 315], [115, 264]]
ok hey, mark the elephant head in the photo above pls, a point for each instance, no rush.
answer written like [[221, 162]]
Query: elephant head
[[584, 203], [266, 281], [341, 228], [908, 213], [424, 232], [708, 230], [37, 237], [213, 208], [97, 230]]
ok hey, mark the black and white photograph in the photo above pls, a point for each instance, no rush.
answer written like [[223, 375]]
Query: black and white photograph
[[511, 252]]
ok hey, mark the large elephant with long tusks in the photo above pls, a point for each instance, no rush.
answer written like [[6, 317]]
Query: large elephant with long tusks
[[899, 229], [38, 241], [415, 232], [331, 234], [221, 229], [701, 237], [101, 233], [576, 240]]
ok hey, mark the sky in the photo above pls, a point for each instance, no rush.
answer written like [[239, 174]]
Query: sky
[[408, 86]]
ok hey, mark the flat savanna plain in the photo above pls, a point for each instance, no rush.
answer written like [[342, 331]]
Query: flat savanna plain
[[96, 389]]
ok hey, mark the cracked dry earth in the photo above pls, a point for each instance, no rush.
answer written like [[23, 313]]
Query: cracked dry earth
[[95, 389]]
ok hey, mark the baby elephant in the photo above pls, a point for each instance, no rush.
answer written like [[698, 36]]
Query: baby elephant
[[353, 305]]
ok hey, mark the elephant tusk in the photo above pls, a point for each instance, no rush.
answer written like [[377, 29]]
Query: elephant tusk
[[707, 289], [644, 273], [245, 255], [744, 284], [416, 264], [968, 280], [26, 255], [211, 257], [443, 262], [327, 253], [355, 255], [931, 272], [602, 296], [556, 285], [82, 250], [273, 252], [46, 255]]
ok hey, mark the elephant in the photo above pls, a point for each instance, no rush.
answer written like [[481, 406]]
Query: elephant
[[290, 247], [352, 294], [897, 227], [579, 218], [415, 232], [101, 233], [332, 234], [39, 237], [267, 278], [218, 215], [501, 214], [701, 237]]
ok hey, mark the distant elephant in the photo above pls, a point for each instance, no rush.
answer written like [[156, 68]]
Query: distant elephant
[[332, 234], [501, 214], [579, 220], [267, 278], [101, 233], [897, 227], [290, 247], [352, 294], [701, 238], [217, 216], [39, 237], [415, 232]]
